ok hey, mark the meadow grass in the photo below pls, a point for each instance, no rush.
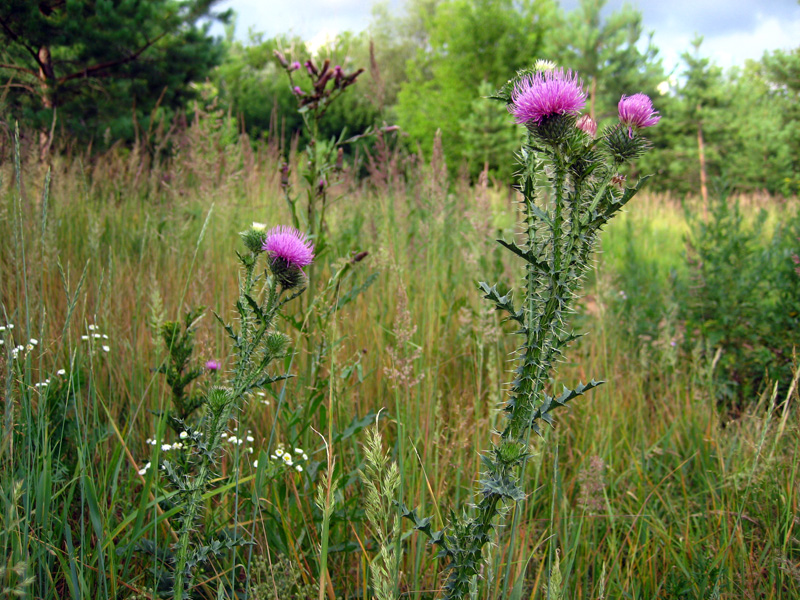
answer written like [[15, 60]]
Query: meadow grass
[[643, 492]]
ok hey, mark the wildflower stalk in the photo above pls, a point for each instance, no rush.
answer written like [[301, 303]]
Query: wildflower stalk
[[565, 180], [256, 345]]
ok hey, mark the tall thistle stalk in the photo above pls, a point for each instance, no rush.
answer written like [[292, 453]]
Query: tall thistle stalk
[[256, 344], [571, 187]]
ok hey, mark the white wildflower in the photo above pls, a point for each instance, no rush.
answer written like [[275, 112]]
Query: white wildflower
[[298, 450], [305, 456], [298, 468], [85, 338], [106, 349], [255, 463], [61, 372], [165, 447], [34, 341], [92, 327], [183, 435], [251, 439]]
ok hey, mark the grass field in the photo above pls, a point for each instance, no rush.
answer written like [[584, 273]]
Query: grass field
[[643, 490]]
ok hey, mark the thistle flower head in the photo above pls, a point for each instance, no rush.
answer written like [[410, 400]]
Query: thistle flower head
[[546, 94], [289, 251], [290, 245], [212, 365], [637, 111]]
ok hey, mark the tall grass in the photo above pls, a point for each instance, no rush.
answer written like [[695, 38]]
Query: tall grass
[[647, 493]]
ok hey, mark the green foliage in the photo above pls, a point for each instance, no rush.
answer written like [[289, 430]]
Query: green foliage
[[278, 580], [606, 54], [139, 57], [469, 42], [179, 341], [255, 88], [743, 296], [489, 135]]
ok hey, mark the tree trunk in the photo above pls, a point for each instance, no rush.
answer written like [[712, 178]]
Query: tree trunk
[[46, 79], [701, 152]]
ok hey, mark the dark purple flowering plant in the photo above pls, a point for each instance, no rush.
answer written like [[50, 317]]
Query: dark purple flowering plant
[[564, 177]]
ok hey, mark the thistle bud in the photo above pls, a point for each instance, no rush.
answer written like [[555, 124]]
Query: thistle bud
[[325, 66], [277, 344], [254, 238], [284, 175], [281, 58]]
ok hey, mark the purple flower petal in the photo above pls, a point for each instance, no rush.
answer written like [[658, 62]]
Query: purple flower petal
[[546, 94], [289, 244], [637, 111]]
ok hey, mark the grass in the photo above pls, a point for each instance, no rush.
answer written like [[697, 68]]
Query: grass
[[642, 480]]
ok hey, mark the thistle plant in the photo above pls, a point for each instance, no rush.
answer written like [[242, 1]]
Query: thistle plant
[[256, 343], [570, 186]]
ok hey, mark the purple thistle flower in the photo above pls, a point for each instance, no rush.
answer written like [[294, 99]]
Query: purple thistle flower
[[212, 365], [294, 66], [290, 245], [546, 94], [297, 91], [588, 125], [637, 111]]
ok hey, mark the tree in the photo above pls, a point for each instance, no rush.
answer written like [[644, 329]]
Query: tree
[[782, 71], [605, 54], [470, 41], [89, 62]]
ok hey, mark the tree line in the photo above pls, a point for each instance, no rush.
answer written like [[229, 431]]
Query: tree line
[[103, 71]]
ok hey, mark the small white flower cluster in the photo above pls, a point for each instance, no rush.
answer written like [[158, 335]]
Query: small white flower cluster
[[46, 382], [16, 350], [238, 441], [95, 335], [284, 456], [144, 469], [262, 397], [167, 447]]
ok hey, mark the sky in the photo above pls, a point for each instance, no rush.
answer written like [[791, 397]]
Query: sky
[[732, 30]]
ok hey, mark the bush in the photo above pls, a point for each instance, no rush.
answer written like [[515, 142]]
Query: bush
[[743, 296]]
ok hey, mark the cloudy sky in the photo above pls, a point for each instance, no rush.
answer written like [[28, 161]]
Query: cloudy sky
[[733, 30]]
